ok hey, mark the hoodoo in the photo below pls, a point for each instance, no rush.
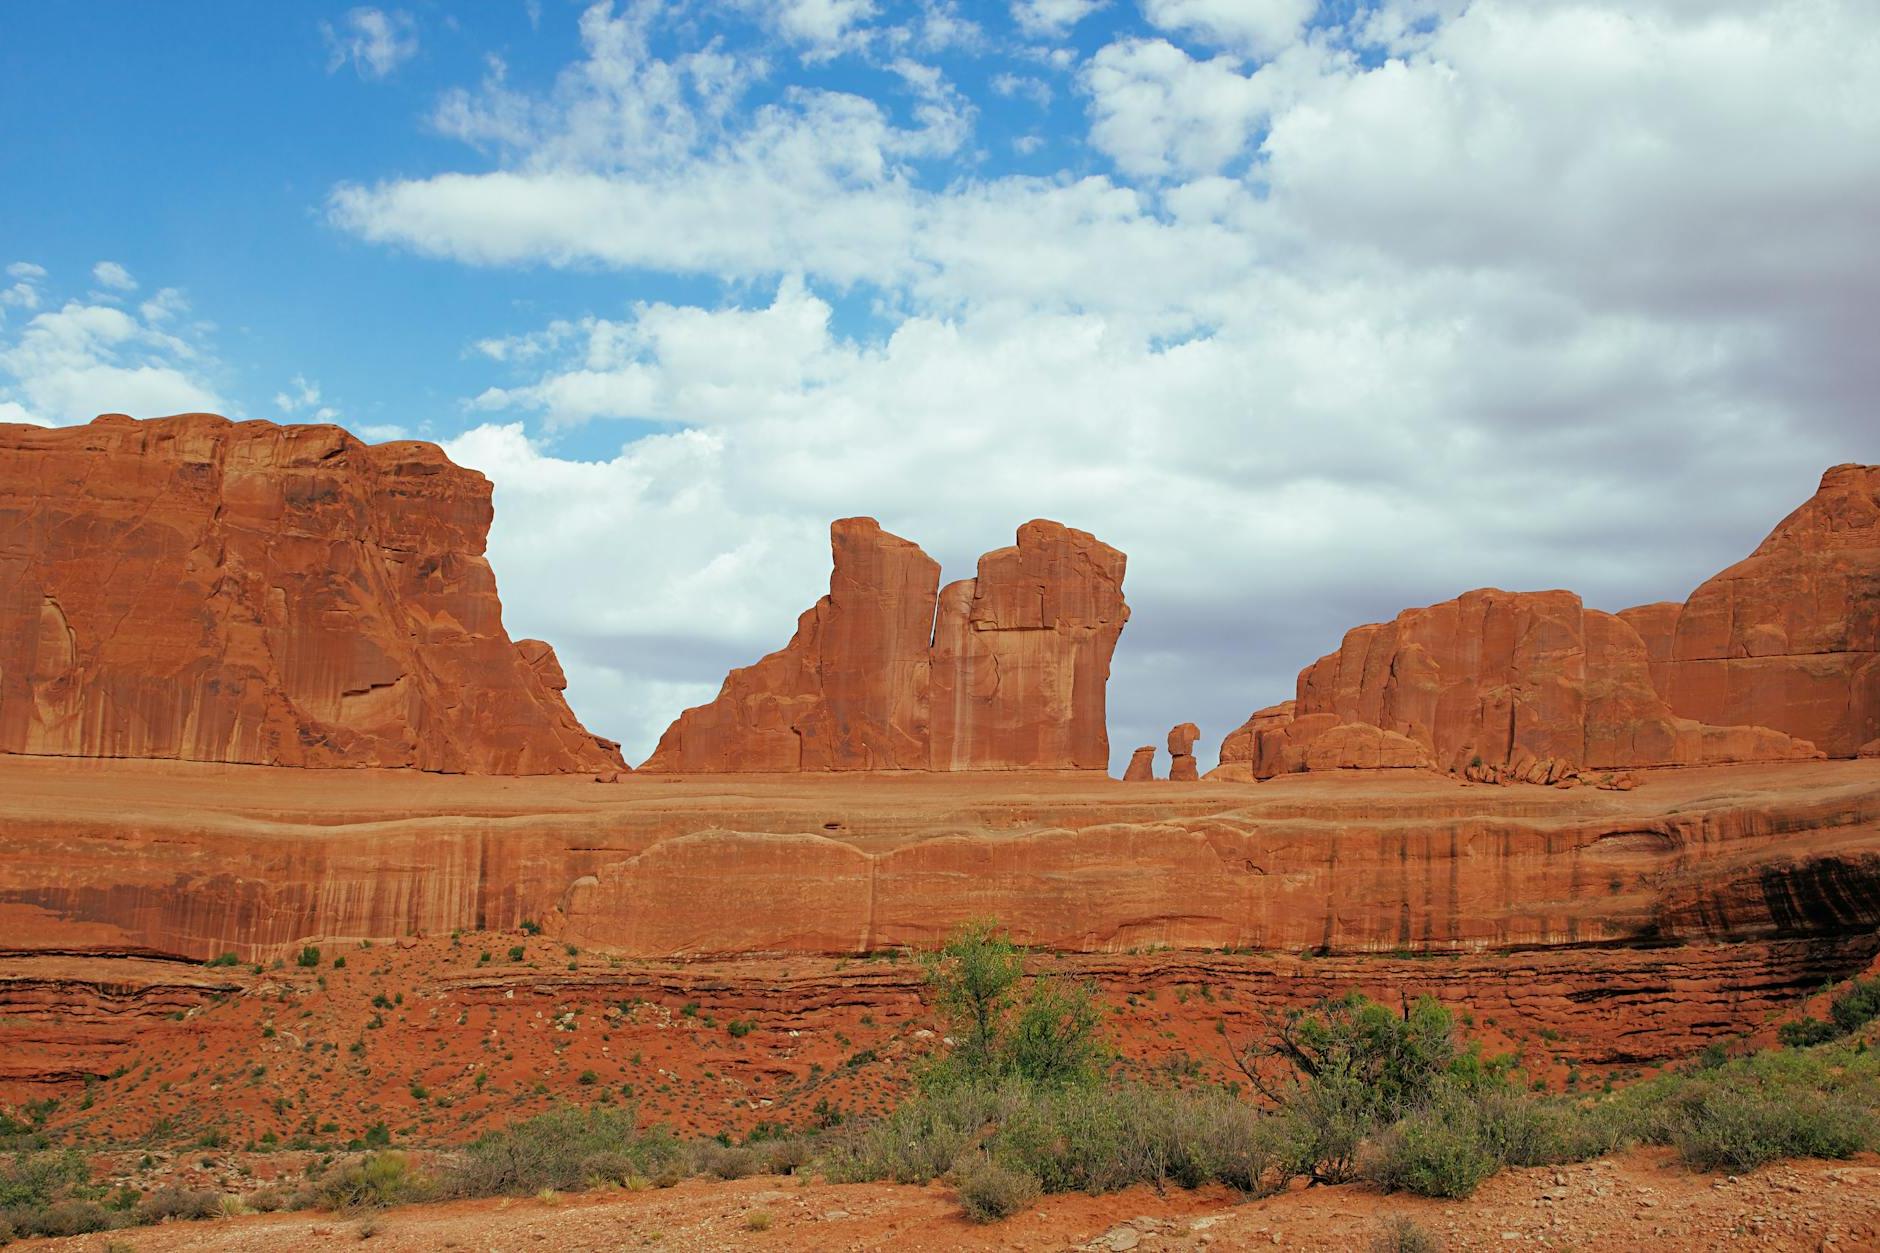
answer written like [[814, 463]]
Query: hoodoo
[[1776, 658], [195, 588], [1009, 673]]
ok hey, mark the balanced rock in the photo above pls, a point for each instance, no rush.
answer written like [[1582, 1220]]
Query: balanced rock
[[190, 587], [1009, 673], [1181, 753], [1789, 637], [1141, 765]]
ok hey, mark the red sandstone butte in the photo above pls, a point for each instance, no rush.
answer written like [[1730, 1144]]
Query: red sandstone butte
[[1009, 673], [850, 689], [1523, 686], [1789, 637], [1777, 657], [190, 587], [1021, 655]]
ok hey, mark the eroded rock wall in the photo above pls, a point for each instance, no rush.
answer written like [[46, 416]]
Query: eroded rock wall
[[1003, 671], [195, 588], [1789, 637]]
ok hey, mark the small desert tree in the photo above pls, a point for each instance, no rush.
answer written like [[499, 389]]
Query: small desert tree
[[1044, 1033]]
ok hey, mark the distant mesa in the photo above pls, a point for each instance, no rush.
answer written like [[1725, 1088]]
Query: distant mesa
[[890, 671], [195, 588], [1777, 658]]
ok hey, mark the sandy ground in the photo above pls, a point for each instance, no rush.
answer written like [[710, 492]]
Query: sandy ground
[[1639, 1201]]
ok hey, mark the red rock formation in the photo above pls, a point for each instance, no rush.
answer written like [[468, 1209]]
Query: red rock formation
[[849, 691], [1021, 655], [1526, 686], [1010, 675], [1789, 637], [1181, 753], [190, 587], [1141, 765]]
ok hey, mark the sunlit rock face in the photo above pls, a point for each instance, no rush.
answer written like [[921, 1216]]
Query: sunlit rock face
[[190, 587], [1776, 658], [1004, 671]]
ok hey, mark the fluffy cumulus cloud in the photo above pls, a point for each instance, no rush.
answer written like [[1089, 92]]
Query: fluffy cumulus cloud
[[373, 41], [71, 357], [1330, 313]]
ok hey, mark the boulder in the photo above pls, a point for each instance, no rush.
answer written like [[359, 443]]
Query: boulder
[[1141, 765], [191, 587]]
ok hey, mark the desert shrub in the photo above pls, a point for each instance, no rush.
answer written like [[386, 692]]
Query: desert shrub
[[1806, 1032], [1443, 1149], [309, 957], [1403, 1234], [70, 1216], [784, 1155], [32, 1180], [371, 1181], [1856, 1006], [1724, 1127], [565, 1149], [183, 1204], [918, 1141], [990, 1192], [727, 1161], [1052, 1040], [1819, 1102]]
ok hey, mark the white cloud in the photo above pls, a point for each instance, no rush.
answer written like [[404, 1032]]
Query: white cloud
[[1255, 27], [78, 360], [1052, 18], [1035, 90], [373, 41], [116, 277], [20, 296], [26, 270], [12, 411], [1568, 294], [823, 27]]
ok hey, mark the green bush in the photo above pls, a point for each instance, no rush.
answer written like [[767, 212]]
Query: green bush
[[1443, 1149], [372, 1181], [1806, 1032], [564, 1149], [184, 1204], [309, 957], [1857, 1006], [991, 1192]]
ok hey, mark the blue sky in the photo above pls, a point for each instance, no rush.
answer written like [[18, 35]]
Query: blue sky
[[1318, 311]]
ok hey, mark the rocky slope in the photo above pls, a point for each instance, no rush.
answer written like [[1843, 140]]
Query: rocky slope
[[1008, 674], [1777, 658], [191, 587]]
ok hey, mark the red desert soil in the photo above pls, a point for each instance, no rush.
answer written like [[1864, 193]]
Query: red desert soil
[[1638, 1201]]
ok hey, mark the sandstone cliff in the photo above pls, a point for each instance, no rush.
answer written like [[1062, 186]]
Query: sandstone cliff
[[1009, 673], [191, 587], [1789, 637], [1777, 657]]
